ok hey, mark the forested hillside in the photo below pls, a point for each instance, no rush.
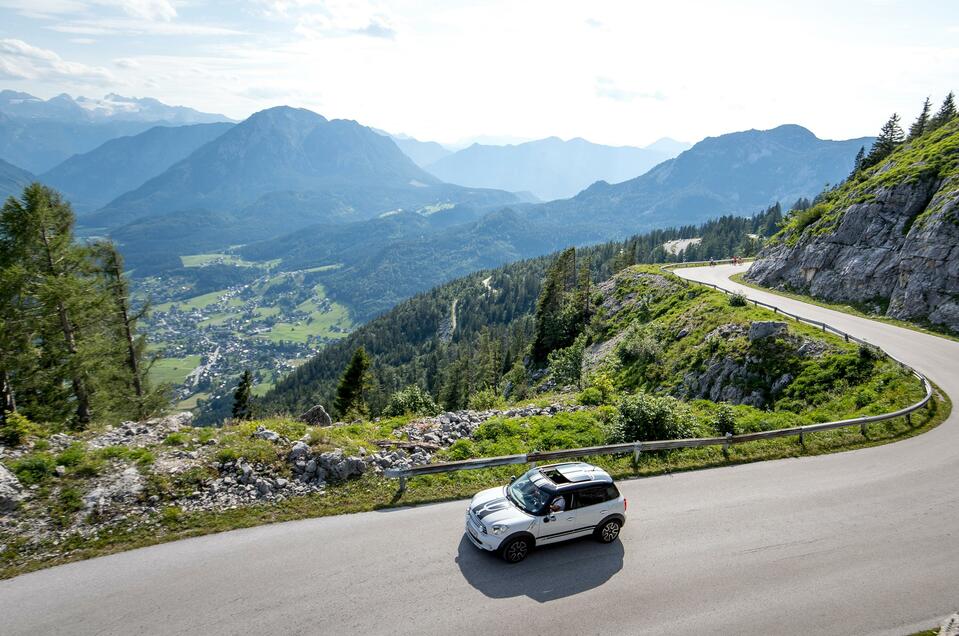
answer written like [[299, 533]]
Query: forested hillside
[[467, 336]]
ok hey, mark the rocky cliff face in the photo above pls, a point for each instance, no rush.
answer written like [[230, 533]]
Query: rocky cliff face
[[888, 239]]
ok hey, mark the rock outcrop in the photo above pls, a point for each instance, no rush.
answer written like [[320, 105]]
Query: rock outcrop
[[889, 243], [10, 490]]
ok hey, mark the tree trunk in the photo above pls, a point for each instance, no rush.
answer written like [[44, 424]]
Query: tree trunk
[[119, 292], [8, 403], [77, 383]]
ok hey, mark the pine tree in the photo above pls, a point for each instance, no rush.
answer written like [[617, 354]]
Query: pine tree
[[857, 163], [922, 122], [37, 232], [890, 137], [242, 404], [354, 385], [946, 112]]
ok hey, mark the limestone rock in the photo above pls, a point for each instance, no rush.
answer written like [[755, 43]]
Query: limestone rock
[[317, 416]]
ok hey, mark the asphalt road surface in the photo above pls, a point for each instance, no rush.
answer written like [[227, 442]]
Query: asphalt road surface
[[863, 542]]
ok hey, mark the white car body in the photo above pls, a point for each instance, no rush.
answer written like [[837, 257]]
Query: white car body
[[592, 499]]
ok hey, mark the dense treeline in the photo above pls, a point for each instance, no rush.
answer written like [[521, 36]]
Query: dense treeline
[[482, 349], [69, 347]]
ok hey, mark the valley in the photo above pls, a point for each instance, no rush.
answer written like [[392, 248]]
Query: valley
[[268, 325]]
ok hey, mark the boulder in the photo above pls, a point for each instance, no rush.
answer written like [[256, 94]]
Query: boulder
[[766, 329], [264, 433], [317, 416], [11, 492], [299, 451]]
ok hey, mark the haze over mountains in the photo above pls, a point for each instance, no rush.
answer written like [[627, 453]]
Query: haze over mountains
[[549, 168]]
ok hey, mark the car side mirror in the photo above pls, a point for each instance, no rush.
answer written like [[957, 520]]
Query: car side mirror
[[512, 479]]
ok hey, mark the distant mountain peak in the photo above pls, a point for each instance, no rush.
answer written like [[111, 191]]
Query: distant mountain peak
[[111, 107]]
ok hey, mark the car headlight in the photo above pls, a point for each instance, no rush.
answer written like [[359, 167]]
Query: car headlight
[[498, 529]]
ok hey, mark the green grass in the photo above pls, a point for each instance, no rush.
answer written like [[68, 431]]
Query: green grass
[[372, 492], [173, 370], [198, 302], [852, 310]]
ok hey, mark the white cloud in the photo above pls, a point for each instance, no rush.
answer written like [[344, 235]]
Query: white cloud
[[143, 9], [22, 61], [129, 26], [332, 18]]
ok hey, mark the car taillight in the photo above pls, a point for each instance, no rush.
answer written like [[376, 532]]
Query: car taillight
[[625, 503]]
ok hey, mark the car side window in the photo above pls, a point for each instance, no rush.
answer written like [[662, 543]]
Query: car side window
[[611, 492], [589, 497]]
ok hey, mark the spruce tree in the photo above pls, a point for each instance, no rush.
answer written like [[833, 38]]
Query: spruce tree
[[946, 112], [890, 137], [857, 163], [353, 387], [922, 122], [242, 402]]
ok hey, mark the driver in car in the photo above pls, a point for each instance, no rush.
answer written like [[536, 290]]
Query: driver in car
[[558, 505]]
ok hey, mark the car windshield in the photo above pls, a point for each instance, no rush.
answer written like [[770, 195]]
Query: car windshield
[[526, 495]]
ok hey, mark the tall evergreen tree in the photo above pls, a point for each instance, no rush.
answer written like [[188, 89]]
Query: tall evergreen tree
[[351, 393], [921, 124], [242, 402], [946, 112], [857, 163], [890, 137], [37, 232]]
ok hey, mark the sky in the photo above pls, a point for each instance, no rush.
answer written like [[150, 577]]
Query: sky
[[614, 72]]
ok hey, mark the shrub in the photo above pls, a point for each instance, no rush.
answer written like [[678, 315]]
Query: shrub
[[461, 449], [89, 467], [725, 419], [175, 439], [486, 399], [865, 396], [171, 514], [15, 429], [639, 345], [591, 396], [72, 456], [644, 417], [566, 365], [602, 381], [33, 469], [737, 300], [410, 401]]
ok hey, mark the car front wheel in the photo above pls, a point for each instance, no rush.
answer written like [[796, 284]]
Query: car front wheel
[[608, 531], [515, 550]]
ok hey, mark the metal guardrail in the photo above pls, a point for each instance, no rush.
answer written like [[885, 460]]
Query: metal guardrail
[[638, 447]]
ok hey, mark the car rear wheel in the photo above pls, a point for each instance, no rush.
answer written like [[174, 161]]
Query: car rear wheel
[[608, 531], [515, 550]]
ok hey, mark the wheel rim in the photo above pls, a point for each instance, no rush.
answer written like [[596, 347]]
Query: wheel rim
[[610, 531], [517, 551]]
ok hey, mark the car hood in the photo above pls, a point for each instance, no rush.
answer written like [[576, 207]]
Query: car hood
[[491, 507]]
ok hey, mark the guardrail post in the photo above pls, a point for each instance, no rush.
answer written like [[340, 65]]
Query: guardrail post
[[909, 419], [862, 428], [637, 449], [802, 438], [402, 483], [726, 446]]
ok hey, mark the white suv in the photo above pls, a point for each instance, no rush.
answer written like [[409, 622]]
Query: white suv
[[546, 505]]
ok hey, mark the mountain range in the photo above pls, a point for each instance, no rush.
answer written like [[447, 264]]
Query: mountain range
[[548, 168], [92, 179], [37, 134]]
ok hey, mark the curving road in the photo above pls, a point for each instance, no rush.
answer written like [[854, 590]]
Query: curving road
[[865, 542]]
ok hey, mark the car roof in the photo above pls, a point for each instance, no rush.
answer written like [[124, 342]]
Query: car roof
[[569, 476]]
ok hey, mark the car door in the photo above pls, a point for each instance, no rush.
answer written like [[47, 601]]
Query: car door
[[590, 506], [558, 526]]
